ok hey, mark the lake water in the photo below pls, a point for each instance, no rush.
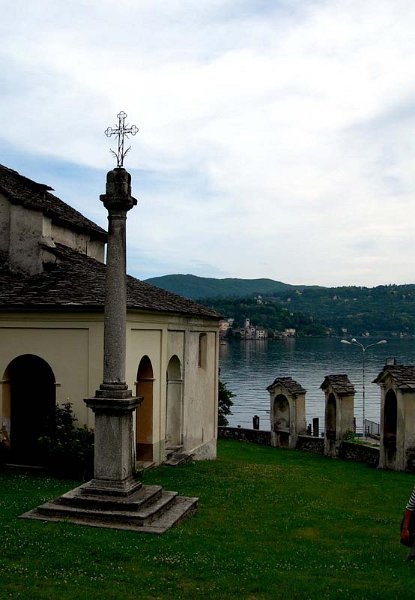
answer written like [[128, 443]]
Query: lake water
[[248, 367]]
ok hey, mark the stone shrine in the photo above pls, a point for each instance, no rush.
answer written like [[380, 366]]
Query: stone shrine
[[287, 412], [339, 411], [397, 417]]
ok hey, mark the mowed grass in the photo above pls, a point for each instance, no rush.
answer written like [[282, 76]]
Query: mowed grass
[[271, 524]]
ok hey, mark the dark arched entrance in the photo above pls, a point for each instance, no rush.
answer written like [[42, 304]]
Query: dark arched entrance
[[331, 410], [32, 400], [144, 412], [389, 427], [282, 420], [174, 403]]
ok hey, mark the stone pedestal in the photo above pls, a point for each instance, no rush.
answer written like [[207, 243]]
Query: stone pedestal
[[114, 464], [339, 411], [287, 412]]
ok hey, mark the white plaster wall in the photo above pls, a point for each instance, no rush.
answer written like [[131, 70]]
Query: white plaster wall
[[26, 231], [4, 223], [78, 241], [200, 394]]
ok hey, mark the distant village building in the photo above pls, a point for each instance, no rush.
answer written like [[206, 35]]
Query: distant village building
[[251, 332], [52, 281]]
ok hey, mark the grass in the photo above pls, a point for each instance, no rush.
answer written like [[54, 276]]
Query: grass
[[271, 524]]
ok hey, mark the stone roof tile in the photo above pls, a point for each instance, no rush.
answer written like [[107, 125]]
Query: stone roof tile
[[402, 375], [36, 196], [292, 386], [77, 282], [341, 384]]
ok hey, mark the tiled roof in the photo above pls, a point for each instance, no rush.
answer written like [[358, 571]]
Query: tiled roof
[[403, 376], [341, 384], [76, 283], [292, 386], [37, 196]]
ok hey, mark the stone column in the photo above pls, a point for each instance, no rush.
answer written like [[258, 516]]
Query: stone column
[[113, 404]]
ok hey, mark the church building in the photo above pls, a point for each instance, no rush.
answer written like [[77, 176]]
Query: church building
[[52, 287]]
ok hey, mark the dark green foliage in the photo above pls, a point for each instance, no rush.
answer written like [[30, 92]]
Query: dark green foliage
[[224, 404], [195, 287], [312, 310], [68, 450]]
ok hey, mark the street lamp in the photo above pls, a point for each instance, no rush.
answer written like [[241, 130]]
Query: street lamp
[[363, 348]]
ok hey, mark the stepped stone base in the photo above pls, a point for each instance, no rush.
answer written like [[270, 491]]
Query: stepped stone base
[[149, 509]]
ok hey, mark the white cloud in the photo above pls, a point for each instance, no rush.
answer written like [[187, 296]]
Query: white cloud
[[274, 138]]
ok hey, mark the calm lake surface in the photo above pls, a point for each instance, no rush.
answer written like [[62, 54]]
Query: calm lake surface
[[248, 367]]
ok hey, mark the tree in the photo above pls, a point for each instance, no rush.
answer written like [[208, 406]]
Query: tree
[[224, 404]]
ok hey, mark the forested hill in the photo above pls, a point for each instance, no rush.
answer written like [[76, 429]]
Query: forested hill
[[194, 287], [383, 310]]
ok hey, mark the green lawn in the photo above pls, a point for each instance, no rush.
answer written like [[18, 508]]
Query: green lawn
[[271, 524]]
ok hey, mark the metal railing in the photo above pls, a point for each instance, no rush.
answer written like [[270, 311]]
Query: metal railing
[[372, 429]]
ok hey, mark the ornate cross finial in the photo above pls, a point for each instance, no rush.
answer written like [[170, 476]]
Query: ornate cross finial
[[122, 132]]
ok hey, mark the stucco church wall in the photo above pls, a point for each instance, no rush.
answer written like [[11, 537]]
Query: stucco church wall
[[200, 393], [66, 347]]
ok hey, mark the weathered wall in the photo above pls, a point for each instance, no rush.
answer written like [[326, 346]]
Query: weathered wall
[[359, 453], [256, 436], [78, 241], [310, 443]]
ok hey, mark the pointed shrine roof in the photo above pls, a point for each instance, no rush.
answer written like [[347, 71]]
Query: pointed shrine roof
[[292, 386], [403, 376], [341, 384]]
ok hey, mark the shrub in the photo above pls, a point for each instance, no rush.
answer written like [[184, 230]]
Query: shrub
[[67, 450], [224, 404]]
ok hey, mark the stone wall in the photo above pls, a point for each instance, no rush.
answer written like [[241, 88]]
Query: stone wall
[[309, 443], [247, 435], [359, 453]]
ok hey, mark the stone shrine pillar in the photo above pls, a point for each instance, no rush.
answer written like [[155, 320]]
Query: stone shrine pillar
[[287, 412], [339, 411], [113, 404], [397, 417]]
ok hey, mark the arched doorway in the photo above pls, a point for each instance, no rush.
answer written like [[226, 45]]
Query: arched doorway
[[282, 420], [144, 412], [331, 410], [30, 397], [174, 403], [390, 419]]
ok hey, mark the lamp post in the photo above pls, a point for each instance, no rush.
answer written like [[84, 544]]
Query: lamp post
[[363, 348]]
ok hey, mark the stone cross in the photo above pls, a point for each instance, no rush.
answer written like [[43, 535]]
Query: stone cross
[[121, 132]]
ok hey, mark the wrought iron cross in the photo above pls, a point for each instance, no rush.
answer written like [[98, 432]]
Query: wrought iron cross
[[122, 132]]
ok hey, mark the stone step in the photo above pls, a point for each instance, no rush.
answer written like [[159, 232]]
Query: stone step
[[146, 495], [139, 518], [179, 458], [168, 511]]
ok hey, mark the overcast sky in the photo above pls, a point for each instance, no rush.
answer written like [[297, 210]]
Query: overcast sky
[[277, 138]]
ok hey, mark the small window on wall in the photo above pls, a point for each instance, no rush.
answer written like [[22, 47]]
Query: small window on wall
[[202, 350]]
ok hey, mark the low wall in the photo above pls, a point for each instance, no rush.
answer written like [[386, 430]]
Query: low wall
[[359, 453], [310, 443], [257, 436]]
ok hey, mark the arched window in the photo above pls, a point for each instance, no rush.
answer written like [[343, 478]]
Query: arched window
[[202, 350], [144, 412]]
